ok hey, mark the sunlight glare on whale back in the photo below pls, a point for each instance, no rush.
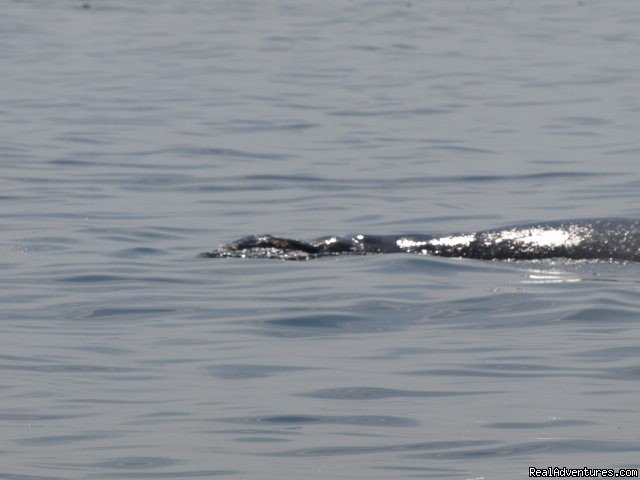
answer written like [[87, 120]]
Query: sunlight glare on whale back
[[406, 243], [540, 237], [453, 241]]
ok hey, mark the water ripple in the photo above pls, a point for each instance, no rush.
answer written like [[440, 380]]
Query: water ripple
[[551, 446], [244, 371], [408, 447], [375, 393], [361, 420]]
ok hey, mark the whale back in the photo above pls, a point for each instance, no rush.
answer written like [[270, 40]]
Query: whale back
[[588, 239]]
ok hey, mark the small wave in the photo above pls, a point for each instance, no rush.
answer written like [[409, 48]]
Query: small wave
[[376, 393], [360, 420], [245, 371]]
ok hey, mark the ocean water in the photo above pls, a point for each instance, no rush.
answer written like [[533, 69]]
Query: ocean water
[[135, 135]]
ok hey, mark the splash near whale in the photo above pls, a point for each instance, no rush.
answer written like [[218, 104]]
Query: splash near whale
[[593, 239]]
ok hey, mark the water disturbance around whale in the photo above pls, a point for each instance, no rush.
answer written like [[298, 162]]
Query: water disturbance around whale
[[612, 239]]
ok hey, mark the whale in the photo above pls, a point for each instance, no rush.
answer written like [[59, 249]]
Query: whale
[[607, 239]]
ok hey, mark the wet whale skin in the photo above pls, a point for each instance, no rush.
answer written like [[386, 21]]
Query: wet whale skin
[[589, 239]]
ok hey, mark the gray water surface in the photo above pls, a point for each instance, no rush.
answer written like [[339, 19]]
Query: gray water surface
[[135, 135]]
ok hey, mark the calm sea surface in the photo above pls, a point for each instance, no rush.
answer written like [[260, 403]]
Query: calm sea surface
[[135, 135]]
